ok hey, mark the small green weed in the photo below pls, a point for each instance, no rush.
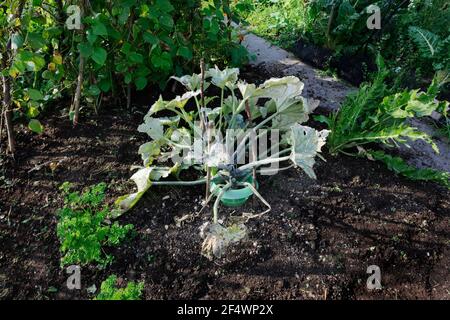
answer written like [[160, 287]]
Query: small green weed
[[109, 290], [83, 229]]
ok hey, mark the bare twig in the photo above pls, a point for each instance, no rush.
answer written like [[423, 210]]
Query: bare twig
[[7, 102], [129, 96], [1, 129], [77, 98]]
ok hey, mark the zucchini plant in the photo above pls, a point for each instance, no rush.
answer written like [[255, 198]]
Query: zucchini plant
[[218, 134]]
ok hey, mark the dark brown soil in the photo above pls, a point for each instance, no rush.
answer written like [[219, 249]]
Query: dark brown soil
[[354, 67], [316, 243]]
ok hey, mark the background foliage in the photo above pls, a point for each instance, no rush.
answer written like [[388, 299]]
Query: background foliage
[[414, 37], [123, 45]]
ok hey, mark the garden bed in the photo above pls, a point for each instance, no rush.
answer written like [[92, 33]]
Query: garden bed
[[316, 243], [353, 68]]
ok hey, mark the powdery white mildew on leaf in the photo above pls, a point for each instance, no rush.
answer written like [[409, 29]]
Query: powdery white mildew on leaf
[[191, 83], [217, 238], [306, 144], [296, 113], [143, 179], [283, 91], [223, 78], [153, 127]]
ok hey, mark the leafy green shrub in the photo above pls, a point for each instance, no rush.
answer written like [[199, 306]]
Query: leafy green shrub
[[122, 45], [414, 35], [147, 41], [109, 290], [281, 22], [31, 63], [82, 227]]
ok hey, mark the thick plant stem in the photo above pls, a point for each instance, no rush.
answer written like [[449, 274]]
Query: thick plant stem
[[263, 162], [77, 98], [8, 115], [61, 13], [202, 95], [243, 142], [260, 197], [216, 203], [179, 183], [253, 141], [227, 10], [7, 112], [208, 168], [204, 125], [1, 128]]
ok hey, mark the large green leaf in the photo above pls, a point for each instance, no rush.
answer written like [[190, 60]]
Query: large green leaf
[[150, 38], [190, 82], [427, 42], [149, 151], [30, 60], [85, 49], [35, 40], [16, 41], [306, 144], [99, 55], [283, 91], [185, 52], [140, 82], [166, 21], [136, 57], [153, 127], [99, 29], [35, 126], [222, 78], [35, 95], [143, 179], [162, 61], [296, 113]]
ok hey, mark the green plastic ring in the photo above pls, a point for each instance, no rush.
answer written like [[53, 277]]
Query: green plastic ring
[[234, 197]]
